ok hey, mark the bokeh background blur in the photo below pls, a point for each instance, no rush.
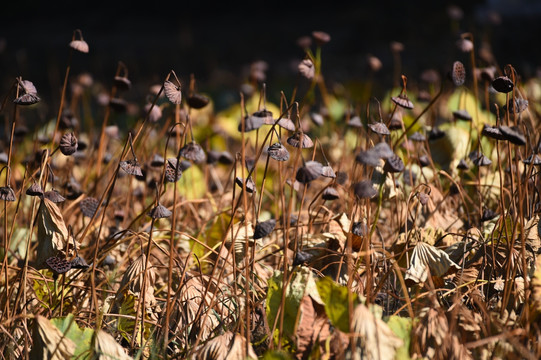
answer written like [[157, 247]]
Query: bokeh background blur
[[217, 41]]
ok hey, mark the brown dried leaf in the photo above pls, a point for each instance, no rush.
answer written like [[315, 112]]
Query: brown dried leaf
[[226, 346], [132, 281], [49, 343], [189, 300], [373, 336], [535, 301], [532, 231], [242, 234], [107, 348], [52, 231], [430, 333], [427, 258], [313, 326]]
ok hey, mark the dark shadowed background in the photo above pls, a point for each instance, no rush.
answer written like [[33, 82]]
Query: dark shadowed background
[[217, 41]]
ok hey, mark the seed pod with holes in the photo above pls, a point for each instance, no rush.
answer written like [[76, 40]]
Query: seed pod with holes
[[458, 73]]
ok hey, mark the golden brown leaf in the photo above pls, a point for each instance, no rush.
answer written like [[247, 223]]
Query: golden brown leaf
[[52, 231], [226, 346], [107, 348], [373, 336]]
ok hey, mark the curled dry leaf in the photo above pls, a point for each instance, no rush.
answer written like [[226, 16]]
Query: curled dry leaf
[[431, 331], [52, 231], [313, 327], [373, 335], [427, 258], [192, 295], [241, 234], [535, 301], [226, 346], [49, 342], [107, 348], [132, 280]]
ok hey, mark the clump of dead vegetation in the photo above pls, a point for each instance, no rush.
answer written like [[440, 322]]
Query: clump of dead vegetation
[[314, 227]]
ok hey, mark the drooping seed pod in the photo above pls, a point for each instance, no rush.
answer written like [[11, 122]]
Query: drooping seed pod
[[462, 114], [250, 185], [482, 160], [286, 123], [330, 193], [519, 105], [402, 100], [306, 68], [394, 164], [327, 171], [503, 84], [417, 137], [379, 128], [79, 263], [131, 167], [264, 228], [462, 165], [172, 92], [160, 212], [278, 152], [122, 82], [492, 132], [7, 193], [197, 101], [68, 144], [364, 189], [30, 94], [309, 172], [79, 44], [194, 152], [513, 135], [118, 104], [264, 116], [435, 133], [34, 190], [173, 172], [54, 196], [296, 140], [321, 37]]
